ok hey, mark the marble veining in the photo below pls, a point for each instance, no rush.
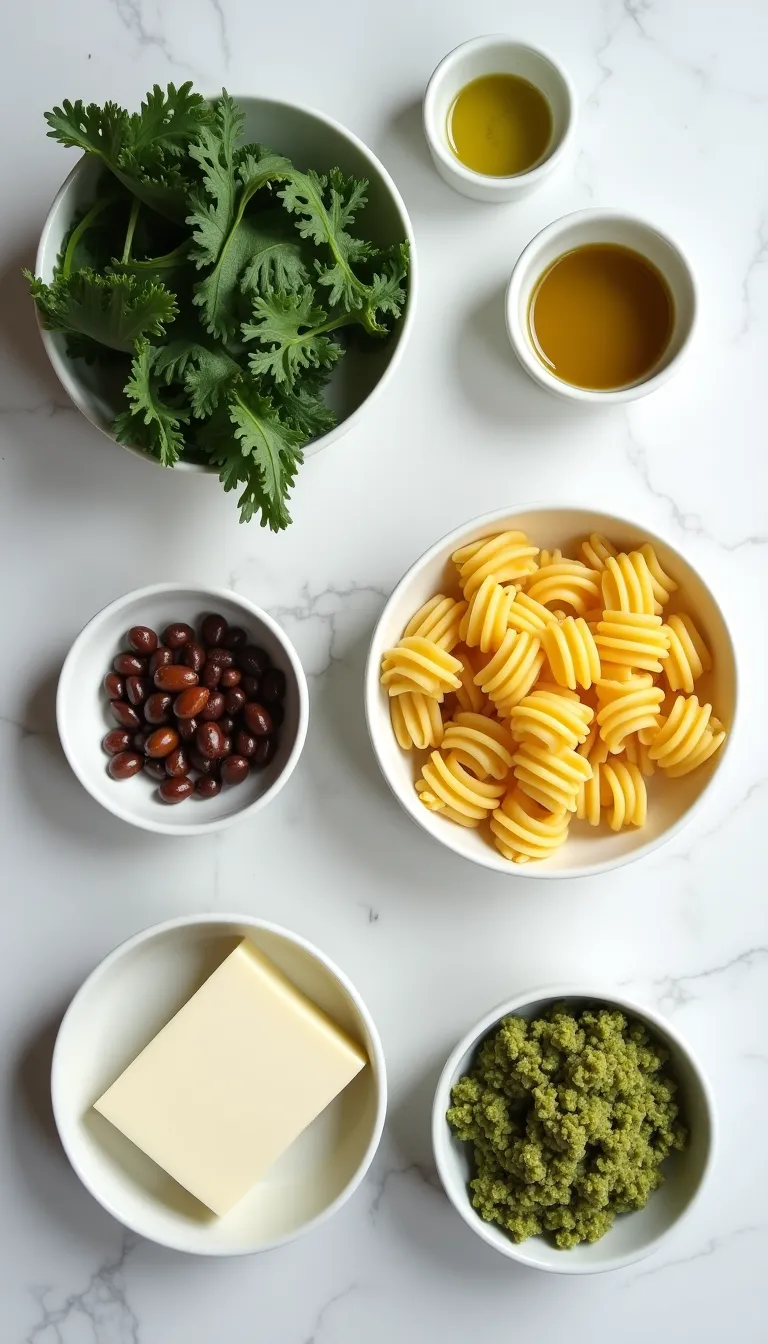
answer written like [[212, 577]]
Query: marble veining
[[673, 126]]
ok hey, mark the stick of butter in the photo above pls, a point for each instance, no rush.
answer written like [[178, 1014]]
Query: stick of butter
[[232, 1079]]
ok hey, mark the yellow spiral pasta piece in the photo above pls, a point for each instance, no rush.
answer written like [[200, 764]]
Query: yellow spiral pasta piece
[[686, 738], [663, 585], [416, 720], [529, 617], [626, 707], [689, 656], [469, 697], [446, 787], [550, 557], [522, 830], [627, 584], [552, 719], [418, 664], [588, 805], [480, 744], [505, 557], [617, 671], [632, 638], [486, 616], [551, 778], [623, 794], [572, 653], [439, 620], [512, 671], [596, 550], [569, 582], [637, 752]]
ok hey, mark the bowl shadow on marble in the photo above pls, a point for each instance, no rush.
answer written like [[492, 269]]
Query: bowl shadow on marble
[[403, 149], [425, 1216], [48, 785], [18, 326], [491, 379], [38, 1154], [70, 461], [370, 817]]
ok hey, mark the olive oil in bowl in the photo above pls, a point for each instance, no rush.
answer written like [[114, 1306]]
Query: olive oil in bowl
[[500, 125], [600, 317]]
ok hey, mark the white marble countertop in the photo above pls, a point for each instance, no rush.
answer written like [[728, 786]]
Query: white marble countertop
[[673, 125]]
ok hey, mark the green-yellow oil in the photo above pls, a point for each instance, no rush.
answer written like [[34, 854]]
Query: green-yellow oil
[[499, 125]]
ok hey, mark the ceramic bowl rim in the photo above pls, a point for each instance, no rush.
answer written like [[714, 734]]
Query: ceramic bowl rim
[[376, 1061], [534, 367], [532, 176], [472, 1038], [67, 374], [213, 594], [492, 860]]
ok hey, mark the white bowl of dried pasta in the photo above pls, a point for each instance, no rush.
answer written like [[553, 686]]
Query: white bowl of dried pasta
[[552, 714]]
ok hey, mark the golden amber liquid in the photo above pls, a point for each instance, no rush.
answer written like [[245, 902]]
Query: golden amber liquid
[[601, 316], [500, 125]]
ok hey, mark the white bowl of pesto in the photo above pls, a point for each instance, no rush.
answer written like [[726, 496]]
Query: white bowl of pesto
[[632, 1235], [122, 1005], [311, 140]]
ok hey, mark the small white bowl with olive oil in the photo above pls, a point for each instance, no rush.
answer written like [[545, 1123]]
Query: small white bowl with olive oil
[[498, 117], [601, 307]]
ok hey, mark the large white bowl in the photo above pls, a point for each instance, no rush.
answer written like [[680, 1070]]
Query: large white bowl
[[311, 140], [588, 850], [82, 709], [122, 1005], [633, 1236]]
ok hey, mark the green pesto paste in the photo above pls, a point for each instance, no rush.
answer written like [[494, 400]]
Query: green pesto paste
[[570, 1117]]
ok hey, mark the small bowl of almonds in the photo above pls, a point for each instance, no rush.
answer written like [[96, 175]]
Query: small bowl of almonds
[[175, 695]]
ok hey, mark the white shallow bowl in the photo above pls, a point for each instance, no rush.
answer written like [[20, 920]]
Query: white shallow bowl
[[588, 850], [633, 1236], [497, 55], [311, 140], [122, 1005], [601, 226], [83, 718]]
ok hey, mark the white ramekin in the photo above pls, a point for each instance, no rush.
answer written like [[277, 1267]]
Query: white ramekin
[[497, 55], [601, 226]]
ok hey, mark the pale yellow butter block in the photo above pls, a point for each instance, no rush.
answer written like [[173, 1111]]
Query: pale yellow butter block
[[232, 1079]]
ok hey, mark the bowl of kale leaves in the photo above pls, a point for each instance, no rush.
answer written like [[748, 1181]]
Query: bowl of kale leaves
[[223, 286]]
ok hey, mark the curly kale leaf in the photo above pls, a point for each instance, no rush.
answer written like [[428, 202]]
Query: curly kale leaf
[[206, 371], [114, 310], [295, 335], [152, 422], [147, 151], [223, 239], [254, 447]]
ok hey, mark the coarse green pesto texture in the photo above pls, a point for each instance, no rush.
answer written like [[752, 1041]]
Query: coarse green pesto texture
[[570, 1117]]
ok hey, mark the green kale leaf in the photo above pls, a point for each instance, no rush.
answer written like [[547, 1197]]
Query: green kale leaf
[[255, 448], [152, 422], [295, 334], [114, 310]]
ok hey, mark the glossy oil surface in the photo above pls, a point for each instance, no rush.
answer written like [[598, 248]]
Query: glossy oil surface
[[500, 125], [601, 316]]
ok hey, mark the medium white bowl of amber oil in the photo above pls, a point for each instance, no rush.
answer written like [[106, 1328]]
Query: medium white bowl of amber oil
[[498, 117], [601, 307]]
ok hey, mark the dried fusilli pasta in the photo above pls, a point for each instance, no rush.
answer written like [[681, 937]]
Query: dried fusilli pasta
[[537, 693]]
